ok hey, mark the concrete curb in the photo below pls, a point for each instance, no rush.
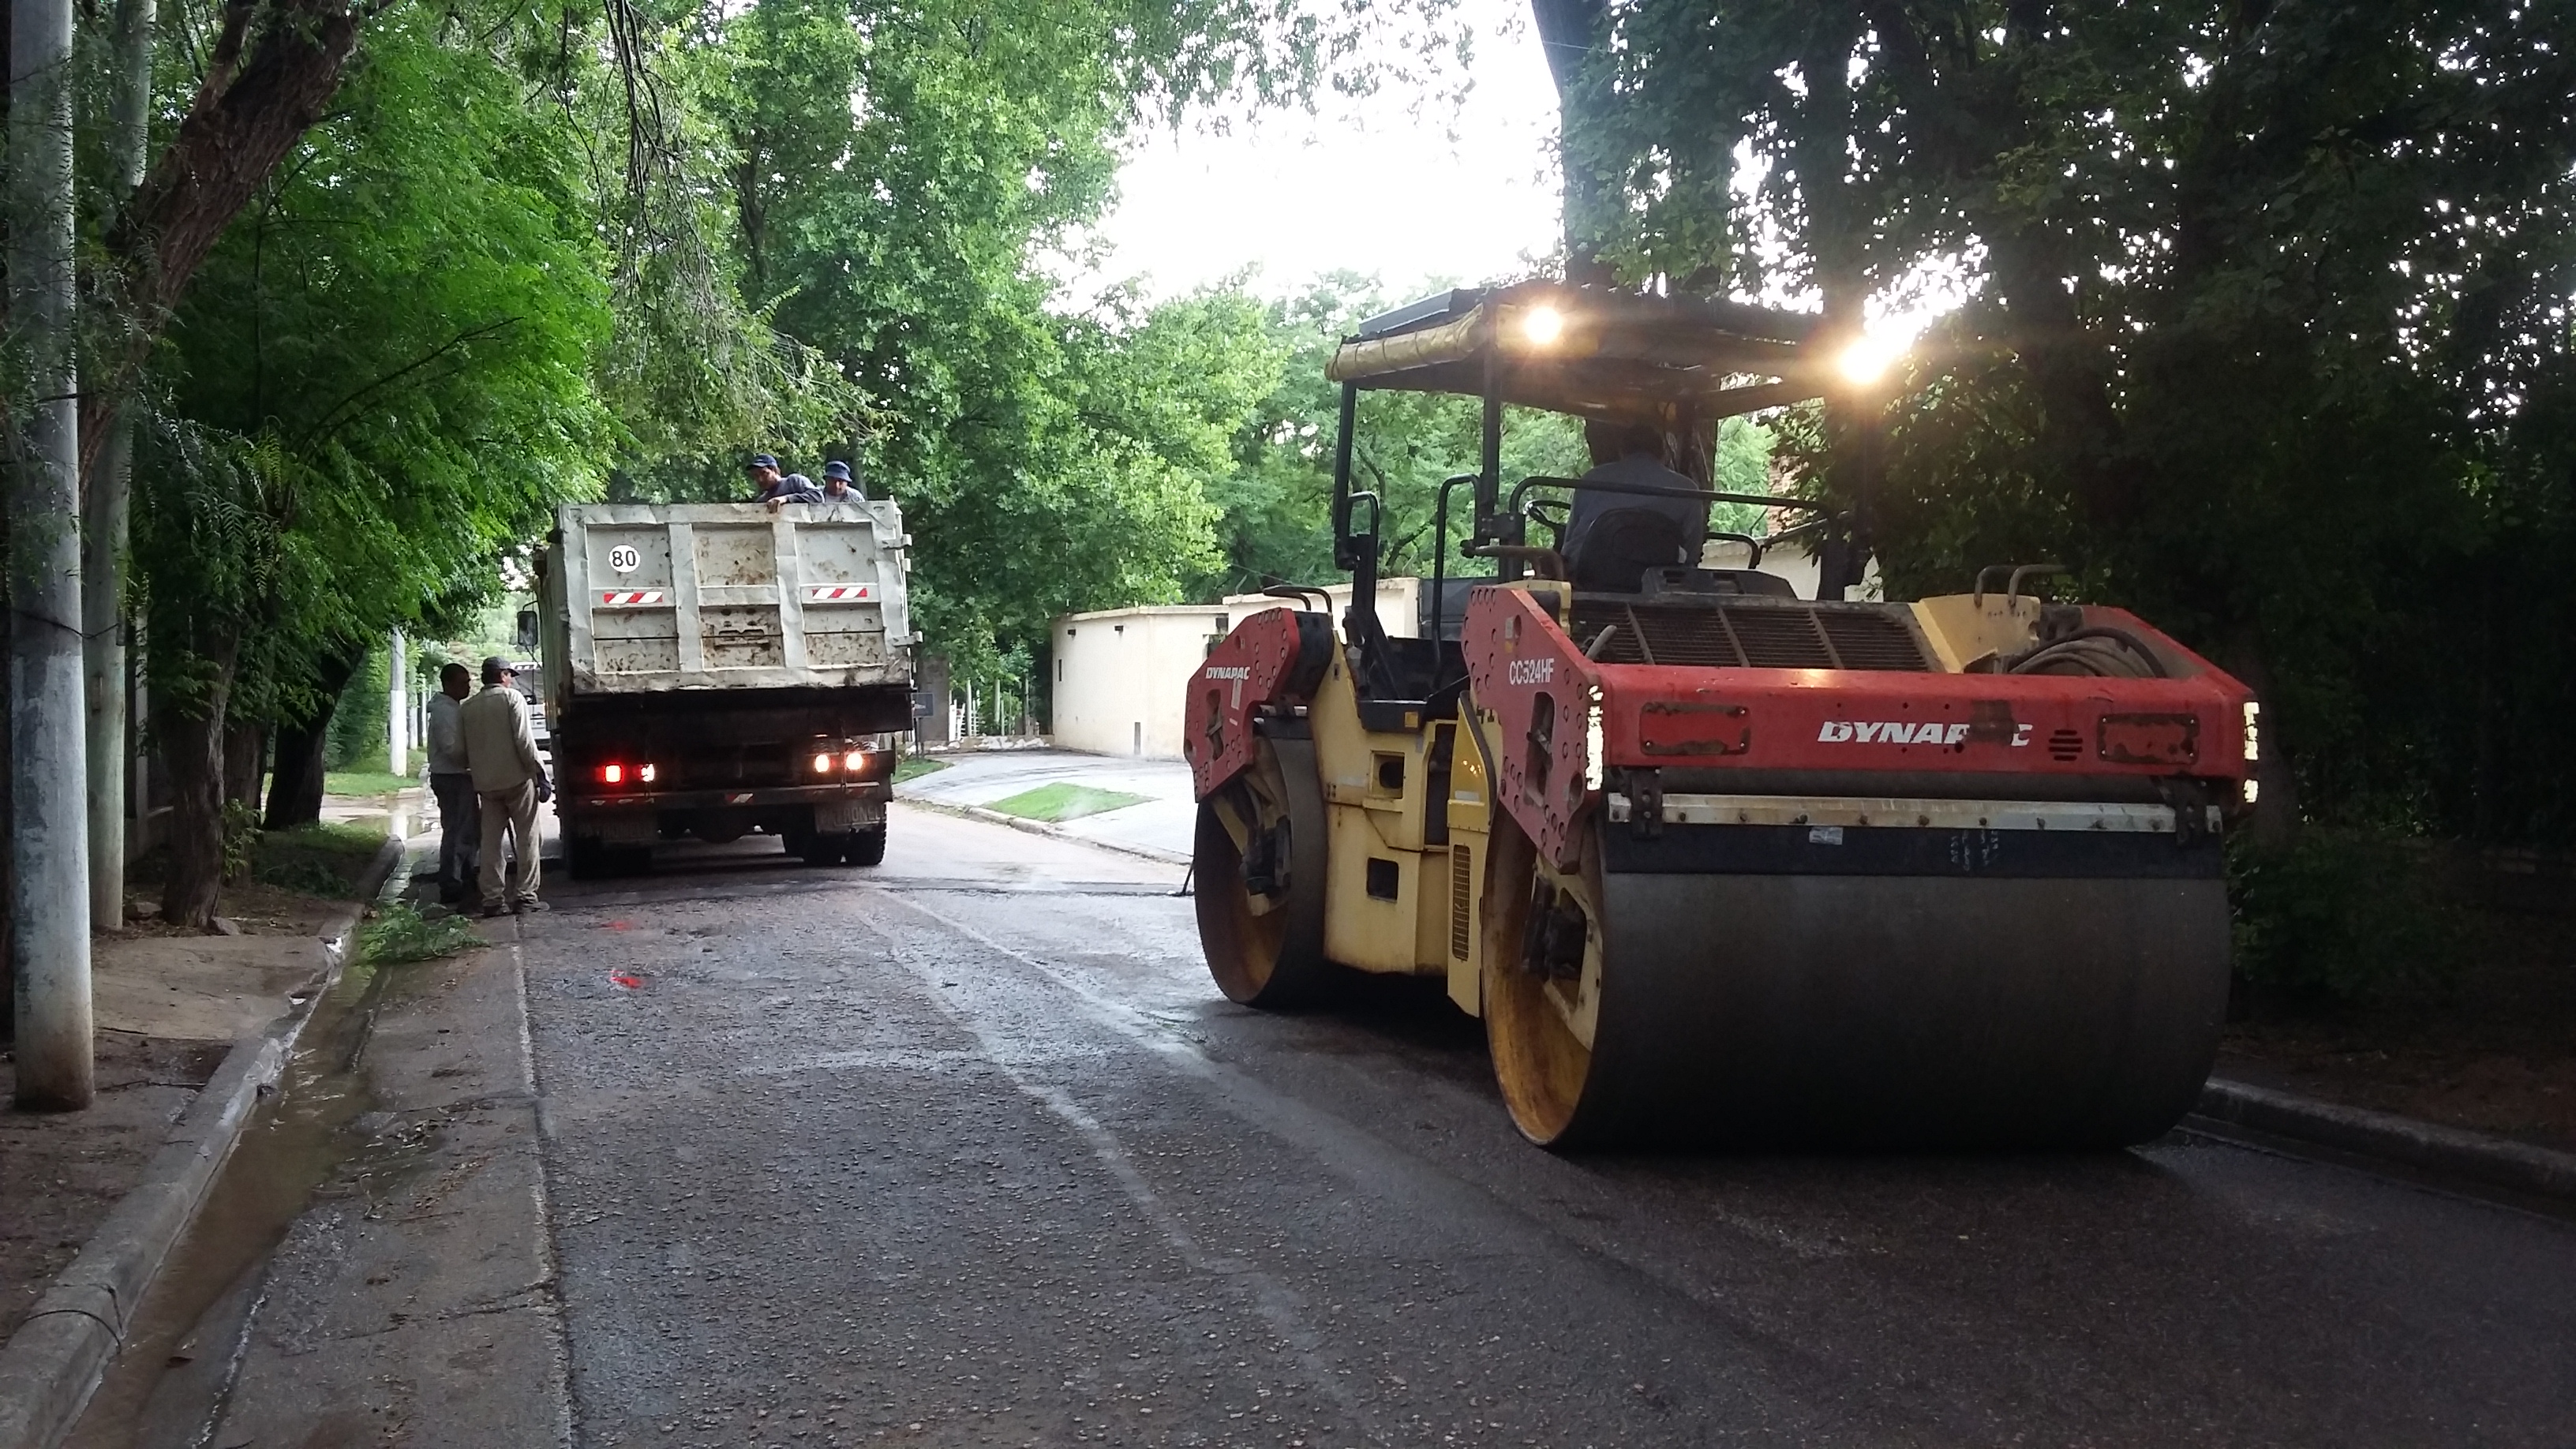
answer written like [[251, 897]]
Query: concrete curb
[[54, 1362], [1040, 827], [2497, 1161]]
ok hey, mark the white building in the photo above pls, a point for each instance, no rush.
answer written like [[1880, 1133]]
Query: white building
[[1119, 674]]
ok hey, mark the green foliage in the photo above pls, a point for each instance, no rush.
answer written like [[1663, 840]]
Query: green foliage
[[2266, 332], [380, 380], [2343, 916], [240, 840], [399, 934], [358, 728], [880, 185], [325, 860], [1277, 503], [913, 767]]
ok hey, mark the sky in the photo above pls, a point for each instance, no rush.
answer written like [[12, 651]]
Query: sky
[[1461, 190]]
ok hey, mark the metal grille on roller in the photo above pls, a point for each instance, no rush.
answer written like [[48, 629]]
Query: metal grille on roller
[[1781, 634], [1461, 881]]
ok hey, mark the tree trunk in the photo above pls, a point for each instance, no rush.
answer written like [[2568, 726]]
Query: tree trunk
[[295, 785], [1569, 31], [104, 517], [191, 734], [245, 755]]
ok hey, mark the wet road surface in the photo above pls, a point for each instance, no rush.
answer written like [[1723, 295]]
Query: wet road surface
[[966, 1150]]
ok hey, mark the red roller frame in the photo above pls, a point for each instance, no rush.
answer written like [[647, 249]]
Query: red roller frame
[[1270, 659], [1546, 698]]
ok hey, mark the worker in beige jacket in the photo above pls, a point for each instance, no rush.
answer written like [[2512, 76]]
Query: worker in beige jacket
[[510, 782]]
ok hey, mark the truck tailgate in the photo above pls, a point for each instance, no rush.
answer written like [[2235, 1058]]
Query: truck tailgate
[[732, 596]]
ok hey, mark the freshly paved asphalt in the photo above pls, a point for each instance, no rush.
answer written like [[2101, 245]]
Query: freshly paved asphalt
[[966, 1150]]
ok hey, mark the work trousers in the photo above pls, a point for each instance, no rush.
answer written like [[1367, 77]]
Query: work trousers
[[459, 825], [511, 812]]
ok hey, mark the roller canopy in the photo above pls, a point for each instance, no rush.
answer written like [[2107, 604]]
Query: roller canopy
[[1602, 355]]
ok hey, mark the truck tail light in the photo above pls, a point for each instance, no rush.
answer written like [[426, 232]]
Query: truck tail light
[[646, 774], [855, 761], [612, 774], [823, 763]]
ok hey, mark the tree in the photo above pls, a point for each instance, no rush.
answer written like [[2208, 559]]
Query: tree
[[2267, 331], [385, 383]]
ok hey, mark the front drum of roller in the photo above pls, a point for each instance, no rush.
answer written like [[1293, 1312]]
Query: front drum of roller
[[1264, 948], [1855, 1010]]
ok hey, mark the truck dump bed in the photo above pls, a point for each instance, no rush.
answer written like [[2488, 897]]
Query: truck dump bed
[[649, 598]]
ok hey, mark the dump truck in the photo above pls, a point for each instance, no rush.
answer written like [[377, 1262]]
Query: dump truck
[[1715, 863], [717, 669]]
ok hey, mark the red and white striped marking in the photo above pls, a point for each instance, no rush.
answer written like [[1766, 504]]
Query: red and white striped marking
[[836, 593], [622, 598]]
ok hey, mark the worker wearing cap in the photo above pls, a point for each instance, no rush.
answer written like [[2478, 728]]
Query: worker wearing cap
[[839, 486], [775, 489], [510, 783]]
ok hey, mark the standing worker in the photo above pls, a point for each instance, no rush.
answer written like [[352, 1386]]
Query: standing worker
[[510, 782], [451, 784]]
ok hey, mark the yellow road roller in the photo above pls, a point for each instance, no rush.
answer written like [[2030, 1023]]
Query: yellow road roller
[[1715, 863]]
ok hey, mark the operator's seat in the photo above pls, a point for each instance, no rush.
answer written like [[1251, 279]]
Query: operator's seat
[[1611, 539]]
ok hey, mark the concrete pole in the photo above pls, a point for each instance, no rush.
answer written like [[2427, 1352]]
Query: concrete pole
[[49, 897], [397, 716], [103, 523], [103, 519]]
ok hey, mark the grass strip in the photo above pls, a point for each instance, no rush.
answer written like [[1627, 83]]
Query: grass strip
[[318, 860], [913, 767], [1064, 801]]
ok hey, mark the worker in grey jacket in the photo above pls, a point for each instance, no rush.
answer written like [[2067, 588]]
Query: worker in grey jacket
[[451, 784], [510, 782]]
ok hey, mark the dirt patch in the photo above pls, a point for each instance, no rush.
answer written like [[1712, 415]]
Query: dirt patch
[[2495, 1051], [60, 1172]]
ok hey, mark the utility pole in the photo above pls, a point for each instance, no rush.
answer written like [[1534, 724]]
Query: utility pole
[[103, 519], [49, 893], [397, 713]]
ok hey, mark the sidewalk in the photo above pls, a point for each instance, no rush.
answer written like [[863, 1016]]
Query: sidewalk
[[169, 1007], [1162, 817]]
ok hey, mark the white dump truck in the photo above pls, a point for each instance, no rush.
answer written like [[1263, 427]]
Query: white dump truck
[[718, 669]]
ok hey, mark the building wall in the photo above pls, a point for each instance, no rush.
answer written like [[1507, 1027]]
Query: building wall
[[1118, 675]]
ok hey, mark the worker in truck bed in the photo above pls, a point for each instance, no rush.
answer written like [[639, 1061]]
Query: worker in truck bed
[[839, 486], [776, 489]]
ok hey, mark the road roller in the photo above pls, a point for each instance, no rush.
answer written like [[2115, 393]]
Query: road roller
[[1715, 863]]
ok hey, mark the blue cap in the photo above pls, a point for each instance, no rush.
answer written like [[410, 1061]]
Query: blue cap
[[760, 460], [837, 470]]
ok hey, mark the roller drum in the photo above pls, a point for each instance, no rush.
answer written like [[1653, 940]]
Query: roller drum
[[1739, 991], [1904, 1011]]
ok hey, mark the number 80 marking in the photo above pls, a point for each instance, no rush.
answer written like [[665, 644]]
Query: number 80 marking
[[624, 558]]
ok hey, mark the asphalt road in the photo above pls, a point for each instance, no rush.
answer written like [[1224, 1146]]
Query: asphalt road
[[965, 1150]]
